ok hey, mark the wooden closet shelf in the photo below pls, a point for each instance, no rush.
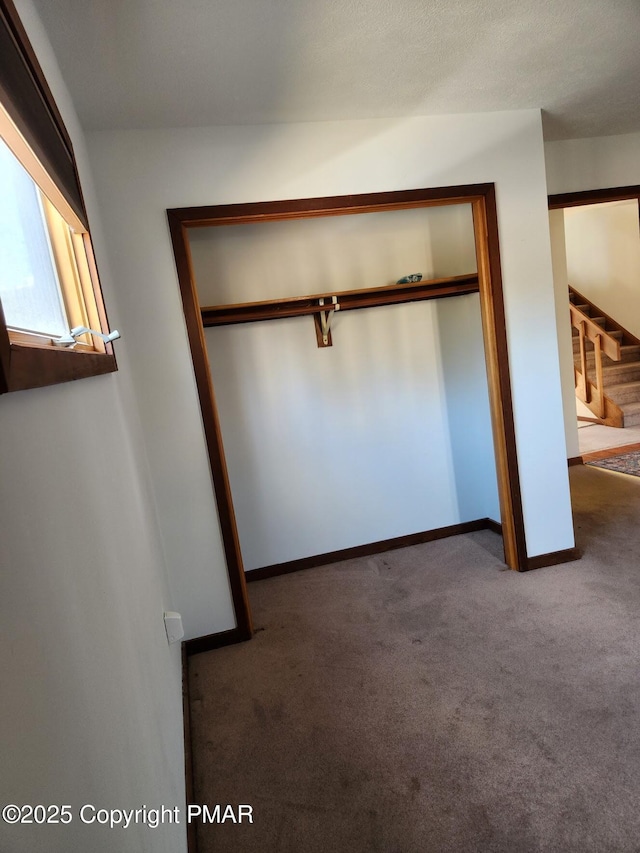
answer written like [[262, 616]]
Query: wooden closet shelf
[[347, 300]]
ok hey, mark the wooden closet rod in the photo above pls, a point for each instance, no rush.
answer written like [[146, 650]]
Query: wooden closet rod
[[348, 300]]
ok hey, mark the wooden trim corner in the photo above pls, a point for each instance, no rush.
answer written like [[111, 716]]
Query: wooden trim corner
[[208, 642], [554, 558], [574, 460], [494, 526]]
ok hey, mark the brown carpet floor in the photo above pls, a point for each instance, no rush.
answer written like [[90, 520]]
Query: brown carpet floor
[[429, 700]]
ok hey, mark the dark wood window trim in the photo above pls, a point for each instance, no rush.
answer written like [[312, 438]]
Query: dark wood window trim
[[27, 98], [489, 283], [37, 367]]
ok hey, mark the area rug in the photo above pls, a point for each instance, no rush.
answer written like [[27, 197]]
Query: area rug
[[625, 463]]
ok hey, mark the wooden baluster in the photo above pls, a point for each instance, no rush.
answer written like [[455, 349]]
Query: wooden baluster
[[599, 382], [586, 391]]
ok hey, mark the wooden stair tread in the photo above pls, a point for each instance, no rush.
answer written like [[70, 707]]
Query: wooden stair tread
[[623, 392], [628, 354], [631, 414], [620, 367], [633, 385]]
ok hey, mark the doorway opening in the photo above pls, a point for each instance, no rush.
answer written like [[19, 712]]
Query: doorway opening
[[597, 239], [487, 284]]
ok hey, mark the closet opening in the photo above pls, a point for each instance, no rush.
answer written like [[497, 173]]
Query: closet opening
[[332, 429]]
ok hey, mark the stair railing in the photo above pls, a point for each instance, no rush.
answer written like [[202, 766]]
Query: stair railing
[[592, 392]]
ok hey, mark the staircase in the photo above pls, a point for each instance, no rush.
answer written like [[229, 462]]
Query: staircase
[[607, 364]]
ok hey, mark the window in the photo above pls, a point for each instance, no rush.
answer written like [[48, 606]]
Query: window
[[48, 279], [29, 286]]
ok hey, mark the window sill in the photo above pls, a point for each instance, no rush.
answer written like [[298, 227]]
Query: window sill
[[27, 366]]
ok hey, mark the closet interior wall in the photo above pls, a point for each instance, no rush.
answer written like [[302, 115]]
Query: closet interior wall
[[387, 432]]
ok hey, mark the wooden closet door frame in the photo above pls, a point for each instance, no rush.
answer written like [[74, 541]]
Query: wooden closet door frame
[[483, 203]]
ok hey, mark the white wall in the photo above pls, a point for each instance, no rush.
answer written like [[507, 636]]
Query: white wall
[[575, 165], [565, 343], [466, 401], [603, 258], [141, 173], [339, 447], [333, 448], [278, 260], [91, 692]]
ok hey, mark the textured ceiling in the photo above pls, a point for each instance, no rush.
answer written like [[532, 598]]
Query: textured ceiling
[[173, 63]]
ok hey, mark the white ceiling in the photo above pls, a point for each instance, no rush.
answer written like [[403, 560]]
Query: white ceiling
[[172, 63]]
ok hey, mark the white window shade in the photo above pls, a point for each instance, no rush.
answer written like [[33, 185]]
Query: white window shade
[[29, 288]]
